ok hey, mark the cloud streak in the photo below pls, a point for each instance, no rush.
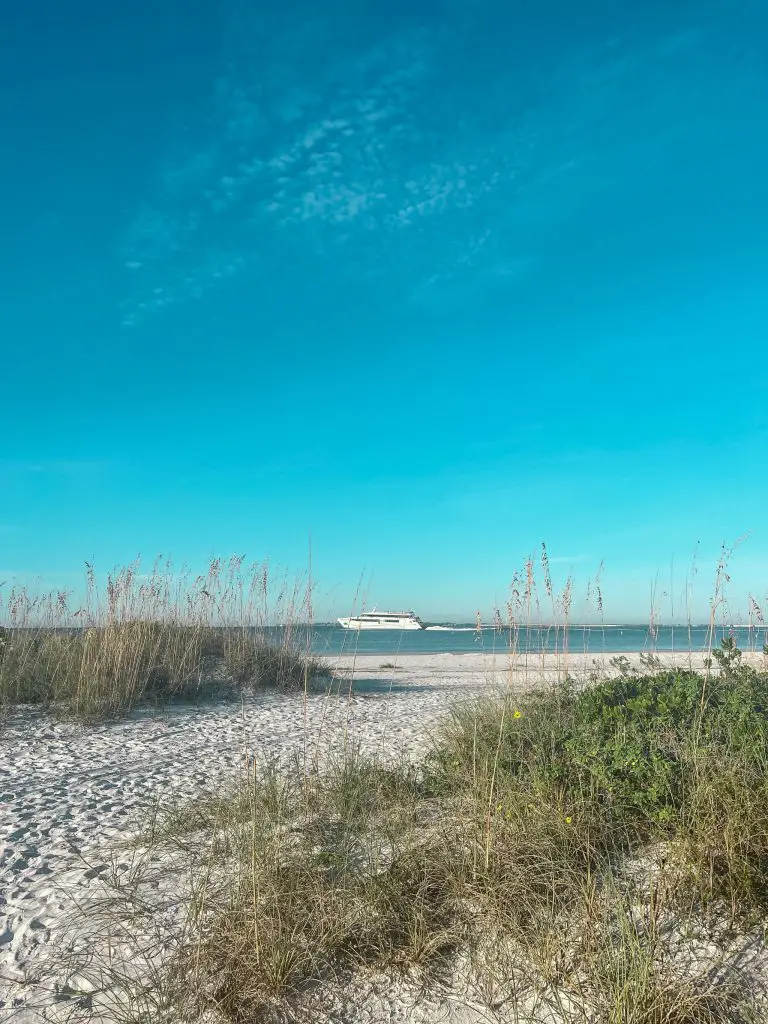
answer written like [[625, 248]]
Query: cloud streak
[[363, 152], [382, 157]]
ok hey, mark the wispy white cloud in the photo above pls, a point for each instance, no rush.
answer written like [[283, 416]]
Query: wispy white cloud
[[385, 155], [362, 151]]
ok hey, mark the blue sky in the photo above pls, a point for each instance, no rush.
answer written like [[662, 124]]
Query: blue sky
[[429, 282]]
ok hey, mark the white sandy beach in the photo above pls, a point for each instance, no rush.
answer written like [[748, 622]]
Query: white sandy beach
[[69, 793]]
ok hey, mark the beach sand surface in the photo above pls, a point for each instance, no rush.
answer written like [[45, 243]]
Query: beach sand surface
[[69, 794]]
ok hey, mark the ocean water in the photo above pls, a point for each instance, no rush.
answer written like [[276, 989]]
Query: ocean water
[[332, 639]]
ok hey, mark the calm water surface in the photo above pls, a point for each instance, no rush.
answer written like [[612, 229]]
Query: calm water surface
[[332, 639]]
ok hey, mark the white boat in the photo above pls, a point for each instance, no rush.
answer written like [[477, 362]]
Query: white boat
[[382, 620]]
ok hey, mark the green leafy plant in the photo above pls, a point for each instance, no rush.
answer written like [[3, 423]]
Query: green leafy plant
[[728, 657], [636, 737]]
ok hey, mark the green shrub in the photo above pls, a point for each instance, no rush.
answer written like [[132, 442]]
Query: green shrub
[[637, 737], [634, 743]]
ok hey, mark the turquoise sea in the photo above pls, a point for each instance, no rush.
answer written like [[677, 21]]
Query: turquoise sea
[[332, 639]]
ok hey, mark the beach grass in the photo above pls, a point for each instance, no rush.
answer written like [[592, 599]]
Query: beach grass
[[556, 849], [154, 637], [578, 852]]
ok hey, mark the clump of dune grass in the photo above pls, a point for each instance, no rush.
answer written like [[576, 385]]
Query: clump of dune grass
[[553, 852], [154, 637], [295, 876], [676, 758]]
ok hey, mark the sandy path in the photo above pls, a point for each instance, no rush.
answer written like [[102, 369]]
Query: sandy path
[[67, 792]]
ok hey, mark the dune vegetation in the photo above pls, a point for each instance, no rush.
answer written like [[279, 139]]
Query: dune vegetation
[[154, 637], [589, 851], [574, 854]]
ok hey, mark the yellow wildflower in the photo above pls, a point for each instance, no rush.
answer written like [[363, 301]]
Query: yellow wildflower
[[517, 714], [568, 820]]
